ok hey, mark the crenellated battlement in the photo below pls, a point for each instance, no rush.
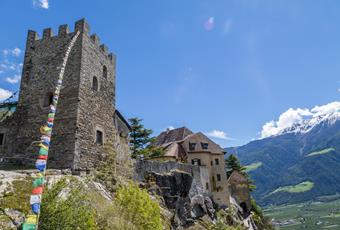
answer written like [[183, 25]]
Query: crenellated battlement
[[63, 31]]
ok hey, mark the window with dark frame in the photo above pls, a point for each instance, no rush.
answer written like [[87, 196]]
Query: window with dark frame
[[99, 137], [105, 72], [196, 161], [204, 145], [192, 146], [95, 84], [48, 99], [2, 138], [217, 162], [218, 177]]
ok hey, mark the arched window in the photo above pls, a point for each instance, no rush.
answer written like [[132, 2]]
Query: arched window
[[104, 72], [48, 99], [95, 84], [99, 137]]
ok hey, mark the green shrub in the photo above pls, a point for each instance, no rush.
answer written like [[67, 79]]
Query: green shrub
[[136, 206], [260, 220], [70, 212]]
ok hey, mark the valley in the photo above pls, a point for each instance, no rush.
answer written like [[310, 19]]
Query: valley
[[308, 215]]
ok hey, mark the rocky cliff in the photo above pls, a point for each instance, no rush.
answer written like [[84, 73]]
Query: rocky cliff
[[179, 207]]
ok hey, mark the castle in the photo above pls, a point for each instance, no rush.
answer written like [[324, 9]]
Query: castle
[[182, 145], [86, 120]]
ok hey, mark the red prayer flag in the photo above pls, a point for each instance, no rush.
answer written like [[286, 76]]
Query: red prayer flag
[[42, 157], [37, 190]]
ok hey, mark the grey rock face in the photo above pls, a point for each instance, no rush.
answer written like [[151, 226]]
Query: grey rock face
[[16, 217], [201, 206], [173, 187]]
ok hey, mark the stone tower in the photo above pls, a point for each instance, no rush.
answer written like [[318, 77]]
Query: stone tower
[[85, 118]]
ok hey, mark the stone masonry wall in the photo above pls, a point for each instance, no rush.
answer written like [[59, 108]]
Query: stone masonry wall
[[43, 59], [96, 108], [198, 173], [80, 112]]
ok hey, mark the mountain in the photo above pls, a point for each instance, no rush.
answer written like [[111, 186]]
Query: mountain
[[298, 163]]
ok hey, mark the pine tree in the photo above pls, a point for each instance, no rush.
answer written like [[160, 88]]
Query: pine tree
[[233, 164], [141, 141]]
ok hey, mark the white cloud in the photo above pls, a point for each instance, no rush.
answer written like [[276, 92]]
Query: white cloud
[[41, 3], [7, 65], [15, 52], [209, 24], [218, 134], [4, 94], [14, 79], [170, 128], [298, 116]]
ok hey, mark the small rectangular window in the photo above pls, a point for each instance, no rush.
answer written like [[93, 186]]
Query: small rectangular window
[[217, 162], [218, 177], [192, 146], [196, 161], [204, 145], [207, 186], [99, 137], [2, 138]]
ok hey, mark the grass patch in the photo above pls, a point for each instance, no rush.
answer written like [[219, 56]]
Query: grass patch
[[18, 199], [302, 187], [321, 152], [253, 166]]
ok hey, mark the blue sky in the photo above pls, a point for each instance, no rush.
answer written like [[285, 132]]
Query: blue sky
[[225, 68]]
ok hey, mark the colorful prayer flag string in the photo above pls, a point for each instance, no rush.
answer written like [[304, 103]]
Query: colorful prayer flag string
[[32, 221]]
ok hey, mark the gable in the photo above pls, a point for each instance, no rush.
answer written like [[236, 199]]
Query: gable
[[199, 139], [174, 135]]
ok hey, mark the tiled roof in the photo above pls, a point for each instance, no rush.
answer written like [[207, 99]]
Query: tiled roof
[[174, 135], [175, 150]]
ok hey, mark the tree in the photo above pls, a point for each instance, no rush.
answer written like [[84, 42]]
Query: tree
[[141, 141], [140, 136], [233, 164]]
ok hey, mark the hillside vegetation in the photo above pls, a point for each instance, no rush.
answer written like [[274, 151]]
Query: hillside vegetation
[[302, 187], [324, 151], [289, 159]]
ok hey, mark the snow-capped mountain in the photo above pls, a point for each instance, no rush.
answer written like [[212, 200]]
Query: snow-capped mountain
[[301, 120], [298, 159], [307, 125]]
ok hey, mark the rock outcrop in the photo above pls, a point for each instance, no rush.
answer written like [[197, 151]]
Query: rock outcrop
[[173, 189]]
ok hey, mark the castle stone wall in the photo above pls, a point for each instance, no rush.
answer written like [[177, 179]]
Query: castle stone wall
[[81, 110]]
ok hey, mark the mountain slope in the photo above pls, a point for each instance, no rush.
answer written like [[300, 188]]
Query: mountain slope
[[308, 151]]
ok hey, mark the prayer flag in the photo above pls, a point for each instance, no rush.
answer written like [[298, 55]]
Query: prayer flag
[[37, 190]]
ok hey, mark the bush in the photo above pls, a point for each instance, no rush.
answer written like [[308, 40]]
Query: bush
[[136, 206], [73, 211], [260, 220]]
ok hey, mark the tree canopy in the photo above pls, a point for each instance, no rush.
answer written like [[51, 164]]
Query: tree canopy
[[141, 141], [233, 164]]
